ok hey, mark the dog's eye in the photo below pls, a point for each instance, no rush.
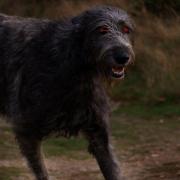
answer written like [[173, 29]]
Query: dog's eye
[[125, 30], [103, 29]]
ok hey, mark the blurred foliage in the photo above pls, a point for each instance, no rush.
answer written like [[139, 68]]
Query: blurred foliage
[[155, 75], [160, 7]]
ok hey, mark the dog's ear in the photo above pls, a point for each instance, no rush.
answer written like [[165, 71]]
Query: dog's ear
[[78, 20]]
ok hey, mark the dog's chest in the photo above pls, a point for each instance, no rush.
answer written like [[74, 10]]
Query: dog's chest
[[82, 109]]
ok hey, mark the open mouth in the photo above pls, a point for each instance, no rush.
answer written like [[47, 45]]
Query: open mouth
[[117, 72]]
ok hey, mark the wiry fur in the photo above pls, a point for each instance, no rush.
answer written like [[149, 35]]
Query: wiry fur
[[50, 81]]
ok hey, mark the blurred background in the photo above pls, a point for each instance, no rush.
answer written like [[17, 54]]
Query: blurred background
[[146, 104]]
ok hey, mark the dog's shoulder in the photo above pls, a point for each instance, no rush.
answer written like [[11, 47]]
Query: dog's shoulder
[[20, 22], [8, 19]]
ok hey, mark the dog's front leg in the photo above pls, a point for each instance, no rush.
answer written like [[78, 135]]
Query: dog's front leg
[[30, 148], [100, 147]]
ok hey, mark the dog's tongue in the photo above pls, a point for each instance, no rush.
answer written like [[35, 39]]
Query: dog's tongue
[[117, 69]]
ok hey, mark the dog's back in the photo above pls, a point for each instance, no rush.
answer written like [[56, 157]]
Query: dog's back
[[20, 39], [10, 28], [3, 90]]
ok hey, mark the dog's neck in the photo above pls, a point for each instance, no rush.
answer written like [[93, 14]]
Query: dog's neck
[[74, 52]]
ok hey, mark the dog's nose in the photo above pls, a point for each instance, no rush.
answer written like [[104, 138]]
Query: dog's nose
[[120, 56]]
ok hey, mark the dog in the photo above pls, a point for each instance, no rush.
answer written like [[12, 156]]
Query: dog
[[51, 80]]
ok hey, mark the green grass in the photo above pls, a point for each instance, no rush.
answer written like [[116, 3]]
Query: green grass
[[139, 128], [7, 173], [65, 147], [149, 110], [8, 145]]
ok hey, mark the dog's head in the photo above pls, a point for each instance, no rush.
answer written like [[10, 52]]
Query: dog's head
[[107, 37]]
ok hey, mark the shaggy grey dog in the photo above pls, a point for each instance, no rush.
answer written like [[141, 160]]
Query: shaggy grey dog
[[51, 80]]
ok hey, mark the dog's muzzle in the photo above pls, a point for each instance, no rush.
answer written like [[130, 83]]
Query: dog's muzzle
[[116, 59], [121, 59]]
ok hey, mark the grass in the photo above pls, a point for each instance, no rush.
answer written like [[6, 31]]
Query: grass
[[151, 110], [7, 173], [137, 129], [66, 147], [8, 146]]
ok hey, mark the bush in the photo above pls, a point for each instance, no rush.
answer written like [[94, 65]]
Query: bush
[[160, 7]]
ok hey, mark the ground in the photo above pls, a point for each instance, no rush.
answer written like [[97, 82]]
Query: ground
[[145, 137]]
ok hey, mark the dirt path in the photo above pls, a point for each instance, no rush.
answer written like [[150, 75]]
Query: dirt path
[[158, 165], [69, 169], [153, 155]]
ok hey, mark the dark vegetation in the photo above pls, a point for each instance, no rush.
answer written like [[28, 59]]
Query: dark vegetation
[[146, 104]]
